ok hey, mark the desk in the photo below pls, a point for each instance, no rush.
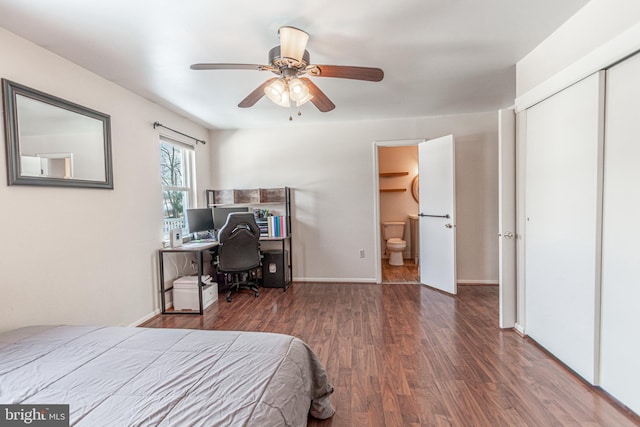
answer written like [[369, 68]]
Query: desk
[[198, 248]]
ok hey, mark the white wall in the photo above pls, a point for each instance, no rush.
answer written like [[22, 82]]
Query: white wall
[[602, 32], [331, 169], [84, 256]]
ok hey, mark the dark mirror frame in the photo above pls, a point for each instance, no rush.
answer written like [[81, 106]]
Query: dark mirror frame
[[10, 90]]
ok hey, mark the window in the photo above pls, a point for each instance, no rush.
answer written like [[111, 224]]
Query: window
[[178, 183]]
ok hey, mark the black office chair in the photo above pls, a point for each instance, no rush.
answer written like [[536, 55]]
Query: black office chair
[[239, 251]]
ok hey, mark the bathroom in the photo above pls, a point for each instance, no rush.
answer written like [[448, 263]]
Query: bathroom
[[398, 168]]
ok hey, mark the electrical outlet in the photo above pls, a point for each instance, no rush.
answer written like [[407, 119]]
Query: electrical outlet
[[361, 253]]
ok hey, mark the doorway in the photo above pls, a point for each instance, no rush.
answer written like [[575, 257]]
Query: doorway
[[397, 173], [477, 205]]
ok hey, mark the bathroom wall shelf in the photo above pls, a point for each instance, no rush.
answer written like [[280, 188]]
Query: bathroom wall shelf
[[391, 174], [392, 190]]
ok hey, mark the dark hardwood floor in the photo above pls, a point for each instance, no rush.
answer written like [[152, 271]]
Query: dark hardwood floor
[[407, 355], [407, 273]]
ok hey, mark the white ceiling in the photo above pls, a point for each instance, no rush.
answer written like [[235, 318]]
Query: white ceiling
[[439, 56]]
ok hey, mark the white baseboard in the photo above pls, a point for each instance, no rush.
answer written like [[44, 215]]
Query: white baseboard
[[369, 280], [519, 329], [334, 280], [145, 318], [476, 282]]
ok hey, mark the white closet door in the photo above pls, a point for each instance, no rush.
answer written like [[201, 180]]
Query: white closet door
[[620, 346], [562, 241]]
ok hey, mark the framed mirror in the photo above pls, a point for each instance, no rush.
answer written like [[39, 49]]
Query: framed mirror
[[53, 142], [415, 188]]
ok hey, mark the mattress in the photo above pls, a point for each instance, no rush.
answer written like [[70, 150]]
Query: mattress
[[122, 376]]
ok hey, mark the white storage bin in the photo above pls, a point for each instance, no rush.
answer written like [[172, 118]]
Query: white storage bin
[[185, 293]]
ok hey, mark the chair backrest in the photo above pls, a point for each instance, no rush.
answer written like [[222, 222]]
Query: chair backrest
[[239, 243]]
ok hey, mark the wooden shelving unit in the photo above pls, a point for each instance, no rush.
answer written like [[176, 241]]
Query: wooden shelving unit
[[256, 197], [253, 196], [392, 174]]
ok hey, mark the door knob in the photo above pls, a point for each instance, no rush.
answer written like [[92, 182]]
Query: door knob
[[449, 225], [509, 235]]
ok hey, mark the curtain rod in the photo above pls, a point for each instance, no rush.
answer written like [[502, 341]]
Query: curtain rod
[[158, 124]]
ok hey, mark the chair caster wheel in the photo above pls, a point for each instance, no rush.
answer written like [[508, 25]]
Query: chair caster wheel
[[228, 299], [257, 294]]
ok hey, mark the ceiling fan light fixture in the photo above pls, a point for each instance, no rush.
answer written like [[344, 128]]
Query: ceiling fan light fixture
[[275, 88], [284, 101], [304, 100], [277, 92], [297, 89], [293, 42], [289, 61]]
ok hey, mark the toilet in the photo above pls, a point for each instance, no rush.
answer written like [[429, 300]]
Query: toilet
[[393, 232]]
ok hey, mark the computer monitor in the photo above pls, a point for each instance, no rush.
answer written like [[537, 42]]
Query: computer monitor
[[220, 214], [199, 220]]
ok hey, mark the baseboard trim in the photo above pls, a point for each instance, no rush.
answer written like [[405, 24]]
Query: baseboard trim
[[476, 282], [145, 318], [333, 280], [368, 280]]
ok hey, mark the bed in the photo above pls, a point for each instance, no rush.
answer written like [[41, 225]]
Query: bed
[[123, 376]]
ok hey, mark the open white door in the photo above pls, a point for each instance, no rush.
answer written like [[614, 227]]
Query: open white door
[[507, 216], [436, 160]]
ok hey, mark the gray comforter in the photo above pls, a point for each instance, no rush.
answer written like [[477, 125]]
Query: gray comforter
[[118, 376]]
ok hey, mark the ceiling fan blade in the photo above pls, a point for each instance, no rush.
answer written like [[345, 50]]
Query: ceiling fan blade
[[320, 100], [206, 66], [347, 72], [255, 96]]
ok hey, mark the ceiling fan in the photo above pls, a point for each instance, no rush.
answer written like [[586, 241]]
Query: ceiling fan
[[290, 61]]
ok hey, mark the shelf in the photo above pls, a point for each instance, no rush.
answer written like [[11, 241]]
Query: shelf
[[392, 190], [252, 196], [273, 195], [391, 174], [232, 197]]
